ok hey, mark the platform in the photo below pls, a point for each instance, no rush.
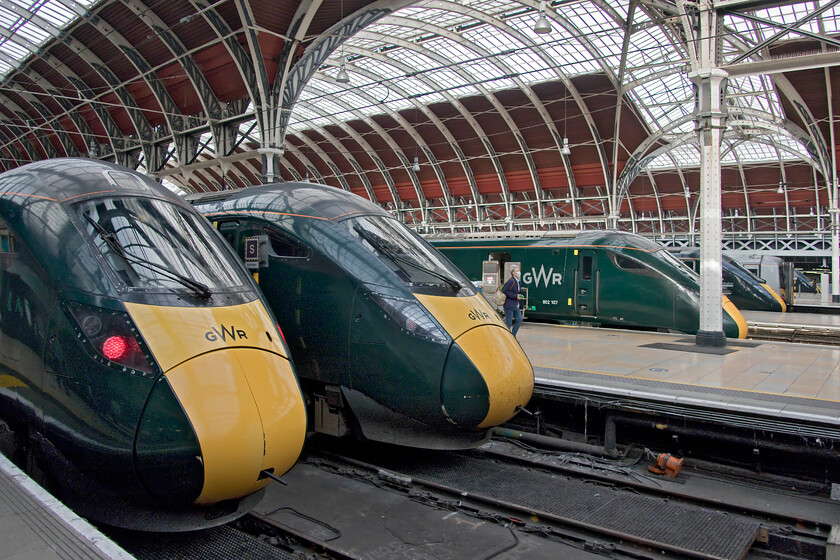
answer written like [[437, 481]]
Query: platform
[[792, 388], [36, 526]]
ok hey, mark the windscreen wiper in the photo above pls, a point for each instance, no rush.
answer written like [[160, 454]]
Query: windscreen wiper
[[113, 243], [383, 247]]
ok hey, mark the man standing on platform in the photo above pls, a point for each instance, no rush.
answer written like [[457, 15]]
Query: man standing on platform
[[513, 315]]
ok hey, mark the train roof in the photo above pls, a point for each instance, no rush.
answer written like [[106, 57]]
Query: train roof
[[69, 179], [608, 238], [694, 253], [303, 199]]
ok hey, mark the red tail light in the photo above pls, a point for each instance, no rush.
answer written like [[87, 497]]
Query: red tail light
[[115, 347], [112, 336]]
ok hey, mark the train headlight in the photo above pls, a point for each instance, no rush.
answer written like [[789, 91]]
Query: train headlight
[[111, 337], [411, 317]]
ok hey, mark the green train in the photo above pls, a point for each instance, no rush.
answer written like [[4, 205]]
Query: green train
[[742, 287], [390, 341], [143, 379], [599, 277]]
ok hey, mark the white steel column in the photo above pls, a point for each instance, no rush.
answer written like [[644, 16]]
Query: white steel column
[[710, 122], [835, 247]]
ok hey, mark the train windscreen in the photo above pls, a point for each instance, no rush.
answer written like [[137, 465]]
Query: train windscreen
[[738, 266], [676, 265], [154, 244], [413, 260]]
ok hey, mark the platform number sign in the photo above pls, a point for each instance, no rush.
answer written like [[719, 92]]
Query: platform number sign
[[252, 252]]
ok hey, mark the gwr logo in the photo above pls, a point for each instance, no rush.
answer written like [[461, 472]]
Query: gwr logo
[[543, 277], [225, 334], [478, 314]]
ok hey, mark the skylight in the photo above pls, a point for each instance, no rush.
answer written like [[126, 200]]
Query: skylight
[[434, 52], [28, 24]]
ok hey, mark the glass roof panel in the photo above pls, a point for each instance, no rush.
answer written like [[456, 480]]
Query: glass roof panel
[[831, 20], [686, 155], [454, 52], [32, 23]]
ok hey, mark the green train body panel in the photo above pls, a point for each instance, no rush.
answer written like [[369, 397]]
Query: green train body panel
[[336, 334], [89, 408], [378, 322], [602, 277]]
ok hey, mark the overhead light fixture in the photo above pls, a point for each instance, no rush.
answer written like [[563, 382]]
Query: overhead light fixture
[[542, 26], [342, 77], [416, 166], [781, 188], [736, 213], [565, 150]]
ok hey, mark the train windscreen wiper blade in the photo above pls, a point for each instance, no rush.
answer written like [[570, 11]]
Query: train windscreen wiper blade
[[391, 254], [113, 243]]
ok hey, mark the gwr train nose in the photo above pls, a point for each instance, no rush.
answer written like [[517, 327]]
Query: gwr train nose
[[776, 297], [213, 423], [486, 377], [734, 323]]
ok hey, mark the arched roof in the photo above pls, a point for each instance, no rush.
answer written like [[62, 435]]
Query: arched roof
[[206, 95]]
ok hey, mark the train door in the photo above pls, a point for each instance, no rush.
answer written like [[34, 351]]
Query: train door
[[495, 272], [490, 280], [586, 283]]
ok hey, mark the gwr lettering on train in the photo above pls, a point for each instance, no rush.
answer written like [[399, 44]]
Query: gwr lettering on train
[[542, 277], [233, 333]]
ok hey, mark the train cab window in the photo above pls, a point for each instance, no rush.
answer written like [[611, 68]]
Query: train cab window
[[586, 268], [412, 259], [152, 244]]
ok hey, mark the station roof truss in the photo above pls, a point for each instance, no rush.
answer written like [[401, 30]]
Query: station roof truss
[[457, 115]]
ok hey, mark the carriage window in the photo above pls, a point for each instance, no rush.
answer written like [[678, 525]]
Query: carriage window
[[284, 246], [7, 239], [625, 262], [586, 268]]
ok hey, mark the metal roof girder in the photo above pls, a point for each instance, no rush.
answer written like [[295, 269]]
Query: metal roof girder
[[43, 112], [169, 110], [135, 114], [209, 101], [457, 104], [429, 114], [325, 157], [318, 52], [240, 58]]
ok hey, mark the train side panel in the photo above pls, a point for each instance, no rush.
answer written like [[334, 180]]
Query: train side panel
[[587, 284]]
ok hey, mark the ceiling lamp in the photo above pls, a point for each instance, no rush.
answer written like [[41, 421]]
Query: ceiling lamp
[[565, 150], [342, 77], [781, 188], [416, 166], [542, 26]]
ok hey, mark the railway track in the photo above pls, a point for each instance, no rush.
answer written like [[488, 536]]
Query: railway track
[[509, 501], [805, 334]]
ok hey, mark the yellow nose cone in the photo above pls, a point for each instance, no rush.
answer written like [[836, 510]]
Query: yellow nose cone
[[247, 411], [504, 368], [730, 309], [776, 296], [493, 350]]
